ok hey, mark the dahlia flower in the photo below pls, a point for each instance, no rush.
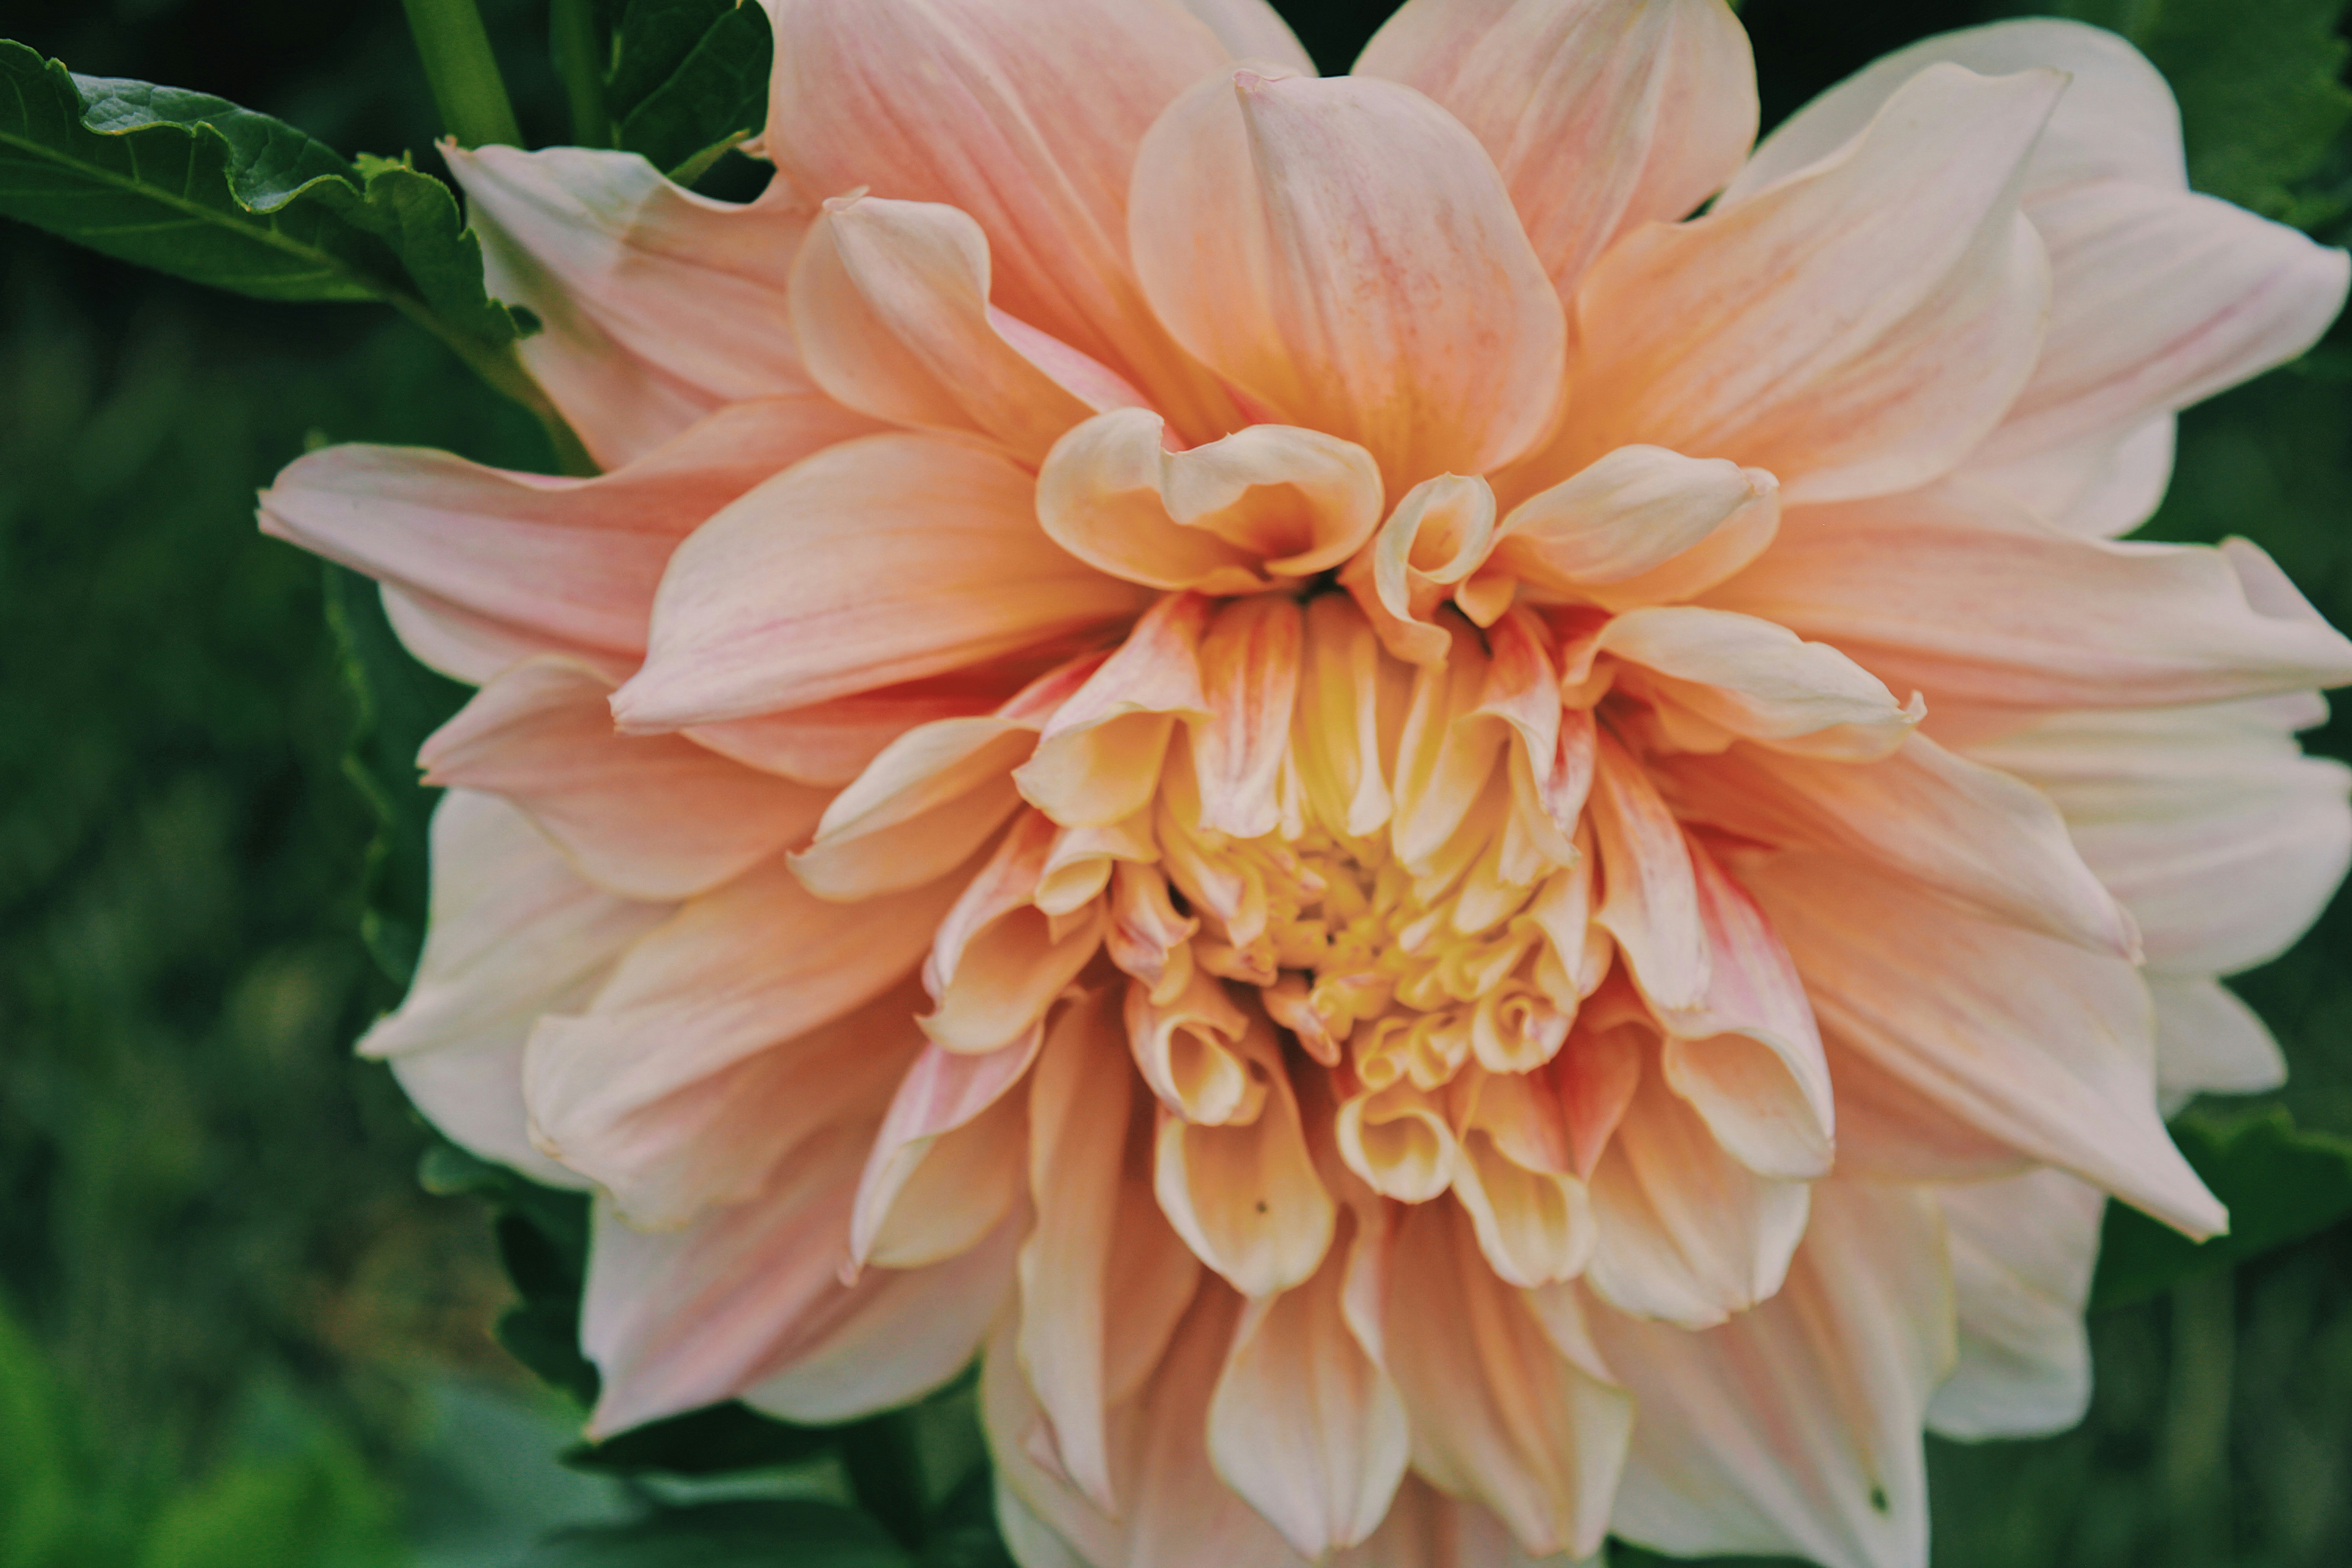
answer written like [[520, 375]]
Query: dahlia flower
[[1459, 861]]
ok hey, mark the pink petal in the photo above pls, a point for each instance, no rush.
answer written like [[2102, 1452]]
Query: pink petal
[[2023, 1253], [1028, 116], [658, 306], [1252, 30], [563, 565], [2035, 1043], [1499, 1414], [877, 562], [515, 933], [1342, 250], [943, 1092], [1857, 330], [922, 808], [998, 960], [890, 306], [655, 818], [1954, 592], [1794, 1428], [1601, 114]]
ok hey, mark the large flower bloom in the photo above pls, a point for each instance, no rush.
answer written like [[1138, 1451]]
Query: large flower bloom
[[1462, 860]]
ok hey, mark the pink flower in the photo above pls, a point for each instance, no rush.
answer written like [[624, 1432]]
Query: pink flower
[[1464, 861]]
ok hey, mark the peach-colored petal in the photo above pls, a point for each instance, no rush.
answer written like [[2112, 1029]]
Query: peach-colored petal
[[1687, 1233], [889, 304], [1348, 696], [1979, 837], [1891, 1129], [2209, 1042], [1251, 30], [1342, 250], [1856, 330], [1742, 676], [2117, 118], [998, 960], [1445, 753], [2023, 1252], [1750, 1058], [542, 736], [1099, 759], [1955, 592], [1650, 900], [1532, 1216], [1438, 535], [1499, 1414], [1399, 1140], [1249, 675], [656, 306], [1245, 1197], [1795, 1427], [1304, 1423], [1601, 114], [1609, 533], [1270, 500], [2035, 1043], [1553, 760], [2218, 835], [876, 561], [942, 1092], [1028, 120], [563, 565], [515, 933]]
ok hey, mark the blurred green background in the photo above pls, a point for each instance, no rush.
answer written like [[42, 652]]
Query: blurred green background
[[235, 1330]]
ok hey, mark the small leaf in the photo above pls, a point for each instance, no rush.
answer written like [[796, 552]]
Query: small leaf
[[711, 1441], [690, 80], [730, 1535], [2280, 1183]]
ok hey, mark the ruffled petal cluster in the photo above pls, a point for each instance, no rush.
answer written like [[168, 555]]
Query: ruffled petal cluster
[[1458, 861]]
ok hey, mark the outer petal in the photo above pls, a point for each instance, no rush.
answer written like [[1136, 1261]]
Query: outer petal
[[2222, 840], [1601, 114], [1500, 1415], [1342, 250], [2023, 1254], [943, 1093], [653, 817], [658, 306], [1795, 1426], [1028, 119], [557, 565], [1857, 330], [1954, 592], [2041, 1045], [2208, 1042], [515, 933], [1251, 30], [889, 303], [877, 562]]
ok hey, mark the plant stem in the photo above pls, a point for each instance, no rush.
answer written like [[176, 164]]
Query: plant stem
[[466, 87], [2196, 1448], [579, 61]]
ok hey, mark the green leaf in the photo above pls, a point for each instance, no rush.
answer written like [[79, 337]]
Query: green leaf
[[318, 1510], [398, 703], [689, 79], [711, 1441], [37, 1494], [2280, 1181], [730, 1535]]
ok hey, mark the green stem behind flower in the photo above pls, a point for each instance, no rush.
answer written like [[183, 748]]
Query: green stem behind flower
[[466, 87], [572, 25]]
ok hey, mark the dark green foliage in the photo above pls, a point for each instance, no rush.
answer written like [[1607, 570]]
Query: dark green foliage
[[689, 79], [730, 1535], [706, 1442], [2280, 1183]]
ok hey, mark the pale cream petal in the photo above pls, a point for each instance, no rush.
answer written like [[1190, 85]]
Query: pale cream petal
[[2216, 834], [1029, 120], [1445, 754], [2209, 1042], [1760, 681], [999, 961], [2102, 486], [1687, 1233], [1979, 836], [1251, 30], [1249, 675], [1426, 1528], [1955, 592], [1499, 1415], [1890, 1129], [1857, 330], [561, 565], [2023, 1254], [1304, 1424], [890, 303], [1351, 706], [655, 818], [1601, 114], [1794, 1428], [1099, 760], [1650, 901], [1269, 501], [2036, 1043], [1513, 1176], [514, 932], [1245, 1196], [2115, 120], [1439, 534], [656, 306], [1609, 533], [942, 1093], [877, 562], [1342, 250]]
